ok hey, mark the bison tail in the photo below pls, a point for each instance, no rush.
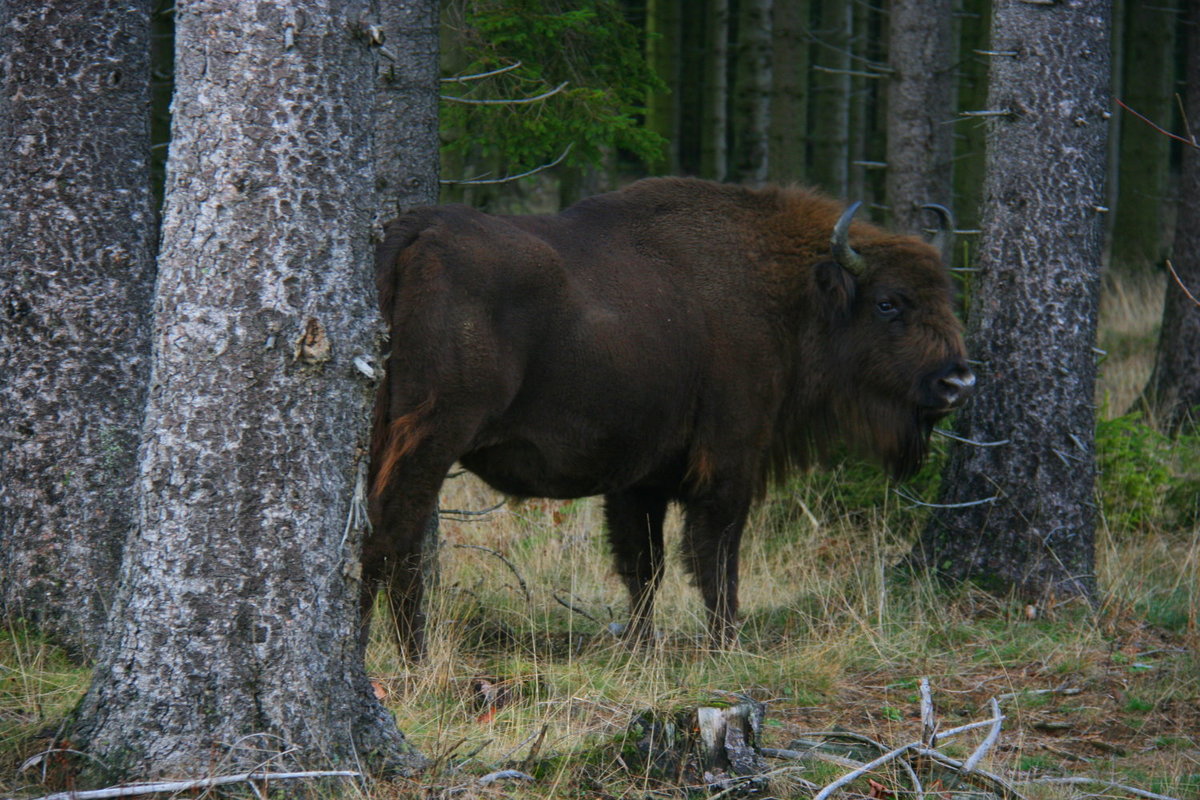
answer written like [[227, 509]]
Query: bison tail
[[395, 441]]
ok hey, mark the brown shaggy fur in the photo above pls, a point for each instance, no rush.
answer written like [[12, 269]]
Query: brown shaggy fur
[[678, 341]]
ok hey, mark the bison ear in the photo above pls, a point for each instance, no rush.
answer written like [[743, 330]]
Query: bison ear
[[837, 286]]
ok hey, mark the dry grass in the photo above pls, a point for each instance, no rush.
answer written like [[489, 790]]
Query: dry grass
[[830, 639]]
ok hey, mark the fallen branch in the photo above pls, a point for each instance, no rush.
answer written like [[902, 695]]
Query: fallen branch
[[1106, 784], [507, 563], [137, 789], [992, 737]]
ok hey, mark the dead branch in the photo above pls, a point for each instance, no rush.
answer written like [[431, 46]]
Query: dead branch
[[1106, 784], [1179, 283], [967, 504], [965, 440], [457, 512], [507, 101], [508, 178], [992, 737], [1189, 142], [928, 722], [506, 562], [577, 610], [892, 755], [481, 75], [165, 787]]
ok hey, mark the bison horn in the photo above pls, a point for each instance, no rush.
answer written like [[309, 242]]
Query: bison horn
[[943, 238], [843, 253]]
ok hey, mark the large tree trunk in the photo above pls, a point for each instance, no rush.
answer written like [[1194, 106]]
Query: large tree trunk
[[1030, 519], [76, 276], [752, 104], [920, 107], [1145, 154], [1174, 389], [234, 641]]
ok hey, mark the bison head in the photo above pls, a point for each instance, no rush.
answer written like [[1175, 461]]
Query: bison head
[[898, 360]]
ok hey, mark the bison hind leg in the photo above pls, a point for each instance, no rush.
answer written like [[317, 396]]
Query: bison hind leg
[[635, 533], [712, 536]]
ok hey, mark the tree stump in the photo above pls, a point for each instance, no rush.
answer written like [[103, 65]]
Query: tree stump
[[713, 743]]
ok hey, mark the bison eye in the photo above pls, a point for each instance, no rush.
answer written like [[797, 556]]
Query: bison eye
[[887, 309]]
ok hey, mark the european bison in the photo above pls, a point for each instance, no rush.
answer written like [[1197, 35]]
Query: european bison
[[675, 341]]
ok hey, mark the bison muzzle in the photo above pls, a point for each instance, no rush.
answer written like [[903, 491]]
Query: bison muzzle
[[677, 341]]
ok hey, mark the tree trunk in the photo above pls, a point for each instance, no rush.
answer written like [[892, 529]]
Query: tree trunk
[[789, 92], [1020, 513], [752, 104], [406, 108], [1174, 388], [234, 641], [831, 97], [664, 21], [970, 132], [920, 108], [1145, 154], [713, 147], [77, 271]]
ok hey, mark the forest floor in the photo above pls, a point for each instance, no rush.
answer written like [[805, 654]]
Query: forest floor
[[523, 673]]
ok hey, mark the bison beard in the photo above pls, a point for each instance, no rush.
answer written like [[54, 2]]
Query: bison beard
[[678, 341]]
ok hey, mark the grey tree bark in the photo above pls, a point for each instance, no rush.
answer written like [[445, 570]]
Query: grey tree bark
[[234, 640], [787, 161], [406, 141], [1019, 513], [752, 93], [76, 277], [920, 103], [1174, 388], [406, 108]]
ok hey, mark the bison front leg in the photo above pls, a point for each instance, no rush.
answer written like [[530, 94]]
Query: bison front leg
[[635, 531], [712, 536]]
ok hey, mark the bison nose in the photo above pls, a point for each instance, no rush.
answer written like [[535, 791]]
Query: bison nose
[[953, 383]]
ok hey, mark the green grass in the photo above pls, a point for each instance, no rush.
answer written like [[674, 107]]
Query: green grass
[[830, 637]]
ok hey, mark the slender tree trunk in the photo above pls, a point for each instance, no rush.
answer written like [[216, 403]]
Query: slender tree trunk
[[1174, 388], [76, 275], [920, 108], [831, 96], [664, 21], [234, 640], [1019, 512], [969, 143], [1148, 88], [752, 97], [713, 147], [787, 161]]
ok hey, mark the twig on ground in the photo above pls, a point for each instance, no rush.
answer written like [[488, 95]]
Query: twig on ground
[[986, 745], [576, 609], [970, 726], [1106, 784], [504, 775], [506, 562], [164, 787], [928, 722], [830, 788]]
